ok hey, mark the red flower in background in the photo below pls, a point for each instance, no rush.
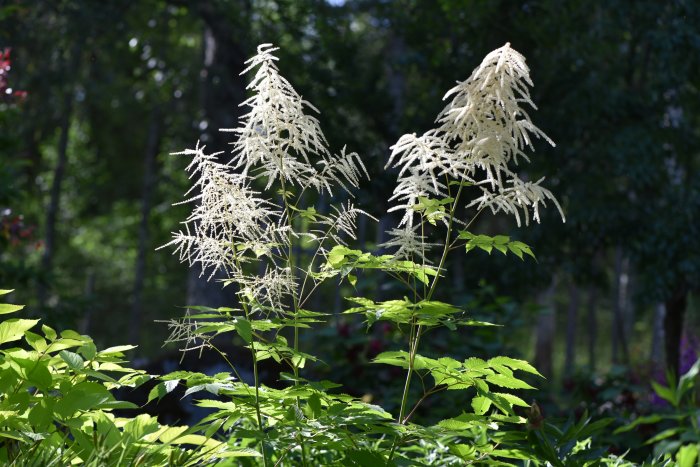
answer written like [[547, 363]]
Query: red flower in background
[[6, 92]]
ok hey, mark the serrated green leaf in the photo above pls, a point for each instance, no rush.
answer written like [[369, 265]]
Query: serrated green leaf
[[73, 360], [486, 247], [507, 382], [40, 375], [140, 426], [481, 404], [160, 390], [515, 364], [512, 400]]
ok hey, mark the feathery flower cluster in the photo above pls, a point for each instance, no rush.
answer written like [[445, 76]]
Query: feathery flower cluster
[[231, 224], [481, 131], [278, 138], [228, 221]]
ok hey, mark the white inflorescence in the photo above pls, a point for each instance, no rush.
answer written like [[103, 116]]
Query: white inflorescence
[[481, 133], [279, 140], [231, 224], [228, 219]]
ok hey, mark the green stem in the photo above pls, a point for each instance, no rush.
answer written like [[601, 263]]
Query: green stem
[[295, 300], [414, 339], [256, 380]]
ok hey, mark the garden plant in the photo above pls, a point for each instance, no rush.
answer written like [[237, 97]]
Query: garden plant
[[253, 212]]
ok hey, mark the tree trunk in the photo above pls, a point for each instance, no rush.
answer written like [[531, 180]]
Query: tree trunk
[[55, 195], [628, 314], [86, 320], [673, 329], [155, 132], [222, 90], [592, 327], [546, 325], [619, 342], [571, 318], [657, 337]]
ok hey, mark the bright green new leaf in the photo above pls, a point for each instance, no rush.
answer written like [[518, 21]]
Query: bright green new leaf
[[481, 404], [687, 455], [116, 350], [13, 329], [6, 308]]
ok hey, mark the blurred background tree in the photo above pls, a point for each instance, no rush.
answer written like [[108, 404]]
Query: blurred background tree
[[112, 87]]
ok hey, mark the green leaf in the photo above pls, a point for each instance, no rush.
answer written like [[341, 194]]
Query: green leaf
[[41, 417], [518, 248], [648, 419], [507, 382], [140, 426], [13, 329], [70, 334], [6, 308], [481, 404], [119, 349], [363, 458], [83, 396], [314, 402], [460, 183], [337, 254], [398, 358], [37, 342], [160, 390], [244, 329], [687, 455], [6, 291], [41, 376], [687, 381], [665, 393], [48, 332], [512, 400], [500, 242], [515, 364], [73, 360]]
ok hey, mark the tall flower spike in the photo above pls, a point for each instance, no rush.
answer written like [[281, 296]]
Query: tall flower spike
[[278, 140], [480, 132]]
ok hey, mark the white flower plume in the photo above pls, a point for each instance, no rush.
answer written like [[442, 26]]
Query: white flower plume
[[231, 224], [481, 133], [280, 141], [228, 218]]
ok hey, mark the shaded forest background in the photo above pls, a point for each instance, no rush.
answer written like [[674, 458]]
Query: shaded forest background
[[95, 95]]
